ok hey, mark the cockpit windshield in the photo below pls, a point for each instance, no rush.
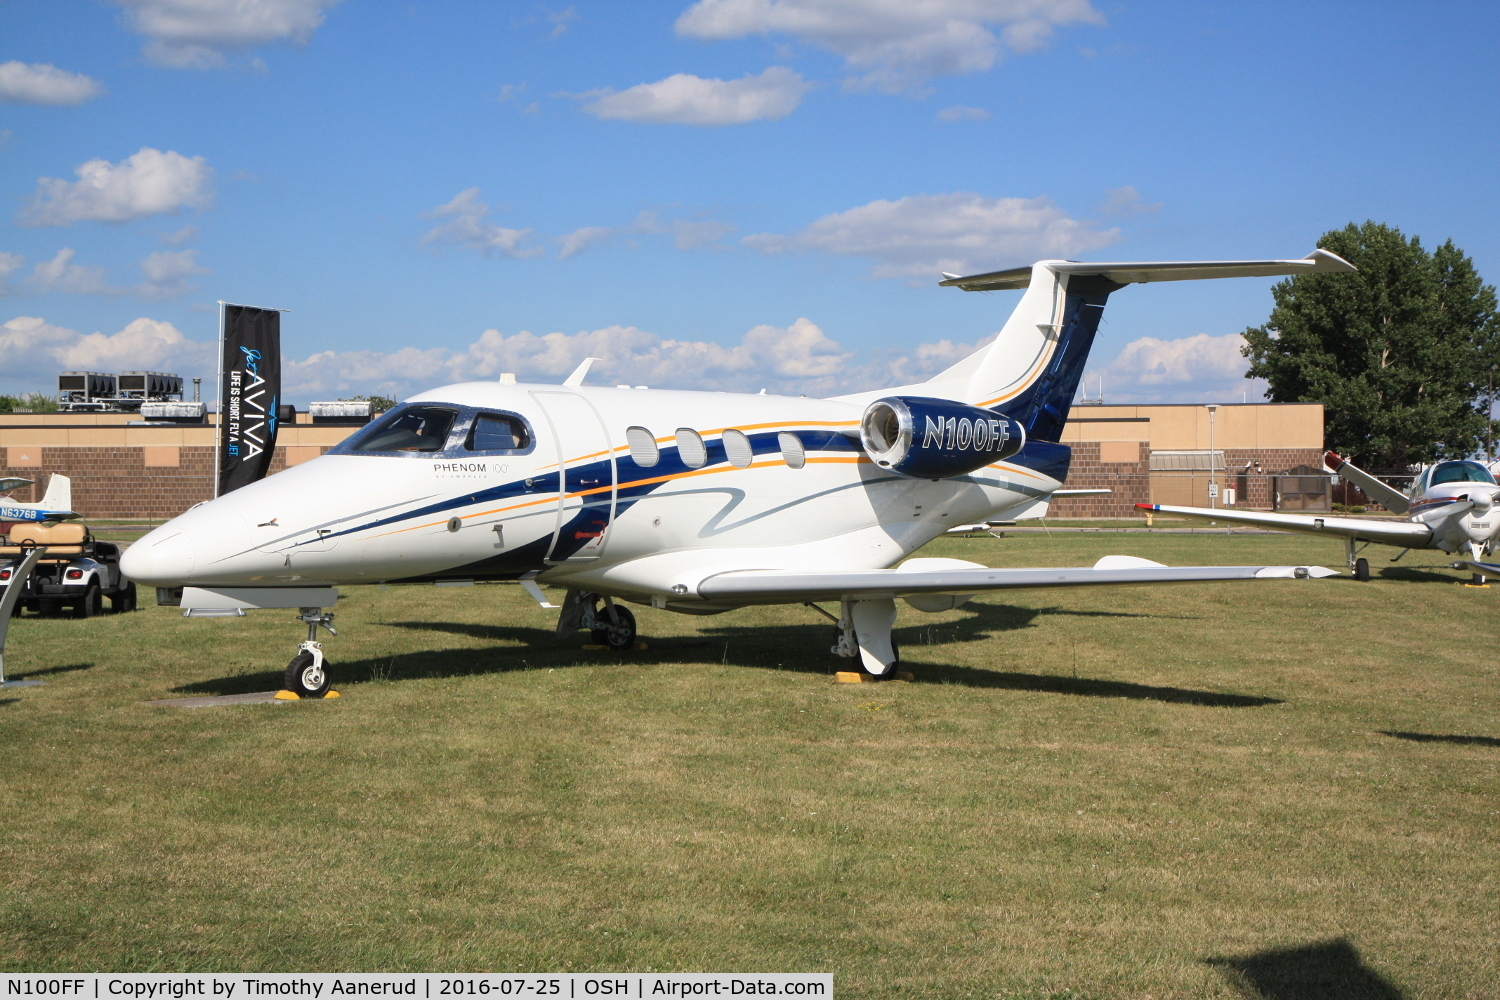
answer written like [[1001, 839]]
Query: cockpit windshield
[[410, 429], [1460, 472]]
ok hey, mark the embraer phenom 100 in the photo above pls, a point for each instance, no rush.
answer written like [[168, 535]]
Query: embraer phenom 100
[[694, 502], [1450, 507]]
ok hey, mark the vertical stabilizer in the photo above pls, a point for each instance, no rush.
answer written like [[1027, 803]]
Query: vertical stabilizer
[[1032, 368], [59, 495]]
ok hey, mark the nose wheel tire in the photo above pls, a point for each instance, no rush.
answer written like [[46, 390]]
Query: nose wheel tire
[[1362, 570], [617, 634], [305, 678]]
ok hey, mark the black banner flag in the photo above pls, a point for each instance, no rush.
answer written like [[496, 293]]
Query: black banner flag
[[249, 390]]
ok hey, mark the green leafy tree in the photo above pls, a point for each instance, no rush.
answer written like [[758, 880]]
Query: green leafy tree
[[378, 404], [1398, 353], [36, 402]]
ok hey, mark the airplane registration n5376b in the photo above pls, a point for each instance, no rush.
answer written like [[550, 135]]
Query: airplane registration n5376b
[[694, 502]]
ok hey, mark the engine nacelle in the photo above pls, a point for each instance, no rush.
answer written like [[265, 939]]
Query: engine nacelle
[[936, 438]]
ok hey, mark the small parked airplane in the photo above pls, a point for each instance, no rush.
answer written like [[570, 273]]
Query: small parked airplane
[[54, 506], [693, 502], [1450, 506]]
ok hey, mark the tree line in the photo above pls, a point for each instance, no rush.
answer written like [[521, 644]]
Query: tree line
[[1401, 353]]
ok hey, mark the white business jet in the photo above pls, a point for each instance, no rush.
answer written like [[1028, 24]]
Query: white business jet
[[56, 504], [1450, 507], [694, 502]]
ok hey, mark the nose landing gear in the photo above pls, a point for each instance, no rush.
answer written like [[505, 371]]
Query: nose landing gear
[[307, 674]]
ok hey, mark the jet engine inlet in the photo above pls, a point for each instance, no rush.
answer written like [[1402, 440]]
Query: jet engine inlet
[[924, 438]]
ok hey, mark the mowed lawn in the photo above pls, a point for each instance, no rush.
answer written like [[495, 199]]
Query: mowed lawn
[[1284, 789]]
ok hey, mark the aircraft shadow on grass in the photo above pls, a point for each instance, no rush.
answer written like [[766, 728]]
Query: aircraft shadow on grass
[[1419, 574], [1474, 741], [1326, 970], [795, 648], [66, 668], [8, 701]]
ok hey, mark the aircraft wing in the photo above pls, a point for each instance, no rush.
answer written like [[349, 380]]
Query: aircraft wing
[[788, 586], [1387, 496], [8, 483], [1403, 533]]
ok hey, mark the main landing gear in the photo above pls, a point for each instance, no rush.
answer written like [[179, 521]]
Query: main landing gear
[[1358, 565], [865, 636], [307, 674], [613, 626]]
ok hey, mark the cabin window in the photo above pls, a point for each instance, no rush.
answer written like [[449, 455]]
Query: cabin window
[[690, 448], [738, 449], [412, 428], [492, 432], [643, 449], [792, 450]]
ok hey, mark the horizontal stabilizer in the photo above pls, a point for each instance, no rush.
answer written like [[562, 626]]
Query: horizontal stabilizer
[[1129, 273], [1387, 496], [783, 586], [1403, 533]]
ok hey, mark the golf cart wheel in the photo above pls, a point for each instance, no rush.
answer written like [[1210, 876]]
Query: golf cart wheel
[[1362, 570], [305, 679], [617, 634], [91, 604], [123, 600]]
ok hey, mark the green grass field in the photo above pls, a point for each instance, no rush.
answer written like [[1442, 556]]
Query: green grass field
[[1280, 789]]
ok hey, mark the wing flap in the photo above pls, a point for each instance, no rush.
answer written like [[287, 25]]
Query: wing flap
[[1403, 533], [786, 586]]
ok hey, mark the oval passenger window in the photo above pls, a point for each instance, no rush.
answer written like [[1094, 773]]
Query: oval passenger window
[[738, 448], [643, 449], [690, 448], [792, 450]]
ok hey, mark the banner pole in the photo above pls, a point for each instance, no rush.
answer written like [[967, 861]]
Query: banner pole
[[219, 415]]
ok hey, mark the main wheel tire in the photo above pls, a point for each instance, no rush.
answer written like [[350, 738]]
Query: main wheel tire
[[1362, 570], [304, 679], [617, 634], [91, 604], [123, 600]]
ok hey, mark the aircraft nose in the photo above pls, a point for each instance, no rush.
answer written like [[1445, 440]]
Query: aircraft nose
[[163, 558]]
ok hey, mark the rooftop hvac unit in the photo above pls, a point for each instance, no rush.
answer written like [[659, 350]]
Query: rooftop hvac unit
[[150, 385], [85, 390], [341, 412], [174, 412]]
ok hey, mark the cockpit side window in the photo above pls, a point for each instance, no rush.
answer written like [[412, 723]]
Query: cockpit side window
[[1461, 472], [409, 429], [493, 432]]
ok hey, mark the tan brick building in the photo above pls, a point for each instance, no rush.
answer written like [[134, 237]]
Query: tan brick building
[[1170, 453]]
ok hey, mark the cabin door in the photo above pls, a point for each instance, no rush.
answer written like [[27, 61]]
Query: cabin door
[[585, 460]]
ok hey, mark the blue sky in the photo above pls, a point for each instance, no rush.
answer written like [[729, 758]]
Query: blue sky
[[726, 194]]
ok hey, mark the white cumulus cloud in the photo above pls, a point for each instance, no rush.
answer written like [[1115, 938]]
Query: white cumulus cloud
[[468, 226], [149, 183], [581, 239], [168, 275], [894, 45], [797, 358], [684, 99], [60, 274], [43, 83], [33, 351], [192, 34], [921, 235], [10, 263], [1127, 201], [1200, 368]]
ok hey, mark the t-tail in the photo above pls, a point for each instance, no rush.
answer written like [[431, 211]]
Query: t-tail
[[1031, 370]]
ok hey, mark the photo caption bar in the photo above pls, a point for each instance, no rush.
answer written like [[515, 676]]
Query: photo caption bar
[[327, 985]]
